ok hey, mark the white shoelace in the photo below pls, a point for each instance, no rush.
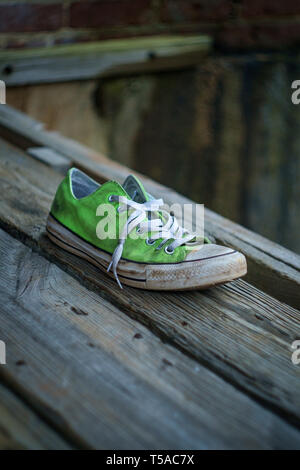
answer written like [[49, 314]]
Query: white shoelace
[[165, 227]]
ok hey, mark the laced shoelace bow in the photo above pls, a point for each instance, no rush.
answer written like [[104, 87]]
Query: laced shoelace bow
[[165, 227]]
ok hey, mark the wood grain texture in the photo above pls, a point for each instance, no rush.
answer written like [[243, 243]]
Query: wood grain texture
[[21, 428], [272, 268], [51, 158], [224, 133], [67, 107], [106, 58], [106, 381], [237, 330]]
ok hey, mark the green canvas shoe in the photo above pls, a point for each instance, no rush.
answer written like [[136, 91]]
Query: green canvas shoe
[[124, 231]]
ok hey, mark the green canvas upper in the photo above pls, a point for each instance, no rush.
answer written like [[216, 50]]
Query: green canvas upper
[[79, 216]]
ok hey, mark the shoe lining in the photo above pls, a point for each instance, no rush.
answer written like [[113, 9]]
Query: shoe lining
[[81, 184]]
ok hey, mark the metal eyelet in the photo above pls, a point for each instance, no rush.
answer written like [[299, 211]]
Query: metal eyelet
[[111, 198], [169, 252], [150, 242]]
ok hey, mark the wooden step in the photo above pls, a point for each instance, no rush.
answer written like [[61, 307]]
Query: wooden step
[[236, 330], [105, 381]]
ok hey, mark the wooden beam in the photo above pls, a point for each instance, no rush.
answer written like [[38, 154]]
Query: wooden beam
[[271, 267], [108, 382], [22, 428], [106, 58], [236, 330]]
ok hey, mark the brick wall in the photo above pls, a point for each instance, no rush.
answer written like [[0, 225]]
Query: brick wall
[[235, 24]]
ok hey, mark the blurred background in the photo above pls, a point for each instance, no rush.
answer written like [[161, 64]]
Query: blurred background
[[221, 130]]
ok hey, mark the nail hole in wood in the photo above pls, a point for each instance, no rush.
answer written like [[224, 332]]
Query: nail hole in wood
[[7, 70]]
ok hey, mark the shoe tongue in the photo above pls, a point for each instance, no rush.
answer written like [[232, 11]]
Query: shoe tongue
[[135, 189]]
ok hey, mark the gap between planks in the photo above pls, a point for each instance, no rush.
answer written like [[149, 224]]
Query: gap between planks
[[23, 428], [238, 331], [101, 376]]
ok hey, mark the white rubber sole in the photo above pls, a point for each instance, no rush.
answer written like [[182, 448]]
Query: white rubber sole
[[196, 274]]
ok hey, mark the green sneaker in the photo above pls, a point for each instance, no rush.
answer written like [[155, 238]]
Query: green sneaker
[[125, 230]]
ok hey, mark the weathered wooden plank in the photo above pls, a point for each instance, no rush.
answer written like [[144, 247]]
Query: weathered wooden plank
[[112, 57], [21, 428], [109, 382], [25, 132], [51, 158], [271, 267], [240, 332], [265, 150], [68, 107], [228, 172], [224, 134]]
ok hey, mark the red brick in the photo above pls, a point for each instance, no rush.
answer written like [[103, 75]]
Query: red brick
[[101, 13], [259, 37], [258, 8], [174, 11], [30, 17]]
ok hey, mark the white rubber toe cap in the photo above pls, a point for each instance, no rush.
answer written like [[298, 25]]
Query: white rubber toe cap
[[208, 250]]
